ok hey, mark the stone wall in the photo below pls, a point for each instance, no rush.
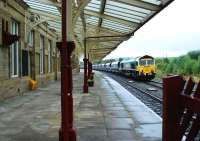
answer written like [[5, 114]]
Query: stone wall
[[9, 86]]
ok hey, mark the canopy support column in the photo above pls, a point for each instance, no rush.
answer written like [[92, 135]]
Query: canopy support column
[[89, 67], [67, 131], [85, 60]]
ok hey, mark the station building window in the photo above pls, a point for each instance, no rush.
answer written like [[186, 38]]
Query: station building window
[[41, 54], [26, 55], [31, 38], [14, 50], [49, 55], [31, 51], [25, 63], [2, 28]]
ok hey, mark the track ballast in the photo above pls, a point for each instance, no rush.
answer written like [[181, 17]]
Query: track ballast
[[151, 98]]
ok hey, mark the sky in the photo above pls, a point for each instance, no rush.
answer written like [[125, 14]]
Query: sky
[[173, 32]]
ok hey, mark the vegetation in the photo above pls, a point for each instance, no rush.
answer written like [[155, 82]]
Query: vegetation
[[186, 65]]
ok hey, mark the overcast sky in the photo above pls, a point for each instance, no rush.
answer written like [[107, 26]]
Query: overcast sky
[[173, 32]]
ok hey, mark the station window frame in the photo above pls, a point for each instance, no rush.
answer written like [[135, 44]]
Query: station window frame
[[14, 50], [49, 56], [31, 38], [41, 54]]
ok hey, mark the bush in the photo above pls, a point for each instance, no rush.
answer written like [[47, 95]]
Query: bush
[[188, 67], [169, 68], [185, 65], [195, 68]]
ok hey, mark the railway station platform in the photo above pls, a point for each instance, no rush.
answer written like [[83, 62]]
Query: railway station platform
[[108, 113]]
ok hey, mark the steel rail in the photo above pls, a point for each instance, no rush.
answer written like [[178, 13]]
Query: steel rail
[[142, 91], [154, 83]]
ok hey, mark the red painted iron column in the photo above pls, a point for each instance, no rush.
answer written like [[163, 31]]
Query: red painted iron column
[[88, 66], [89, 70], [91, 75], [85, 60], [172, 88], [67, 132]]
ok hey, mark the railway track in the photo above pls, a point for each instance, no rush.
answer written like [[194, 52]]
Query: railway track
[[145, 92], [152, 100], [155, 84]]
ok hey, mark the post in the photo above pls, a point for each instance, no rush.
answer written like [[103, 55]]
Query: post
[[89, 70], [67, 132], [56, 65], [90, 76], [88, 65], [172, 87], [85, 60]]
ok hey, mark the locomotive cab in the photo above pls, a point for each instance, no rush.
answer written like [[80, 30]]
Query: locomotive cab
[[146, 67]]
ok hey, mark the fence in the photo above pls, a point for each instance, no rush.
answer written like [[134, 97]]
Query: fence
[[181, 109]]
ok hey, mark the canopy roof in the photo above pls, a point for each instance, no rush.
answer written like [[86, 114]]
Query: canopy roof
[[103, 23]]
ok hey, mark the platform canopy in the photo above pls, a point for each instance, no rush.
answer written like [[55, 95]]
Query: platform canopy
[[103, 23]]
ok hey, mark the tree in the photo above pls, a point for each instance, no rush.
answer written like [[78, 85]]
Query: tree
[[188, 66], [194, 54], [169, 68], [185, 65], [195, 68]]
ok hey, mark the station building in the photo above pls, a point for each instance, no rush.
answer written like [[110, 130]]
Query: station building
[[30, 33], [33, 56]]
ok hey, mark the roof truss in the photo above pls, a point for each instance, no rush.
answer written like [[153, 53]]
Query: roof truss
[[104, 23]]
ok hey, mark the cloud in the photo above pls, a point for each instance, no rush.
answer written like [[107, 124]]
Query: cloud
[[173, 32]]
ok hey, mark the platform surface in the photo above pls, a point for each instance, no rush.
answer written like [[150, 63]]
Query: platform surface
[[108, 113]]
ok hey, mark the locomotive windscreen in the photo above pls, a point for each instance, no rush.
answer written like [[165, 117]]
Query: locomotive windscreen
[[146, 60], [150, 61]]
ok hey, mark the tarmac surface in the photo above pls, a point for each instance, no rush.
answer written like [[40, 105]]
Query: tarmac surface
[[108, 113]]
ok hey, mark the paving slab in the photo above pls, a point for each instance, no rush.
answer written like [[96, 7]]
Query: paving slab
[[107, 113], [121, 134], [126, 117], [116, 113]]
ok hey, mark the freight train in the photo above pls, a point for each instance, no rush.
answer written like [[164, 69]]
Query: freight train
[[140, 68]]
